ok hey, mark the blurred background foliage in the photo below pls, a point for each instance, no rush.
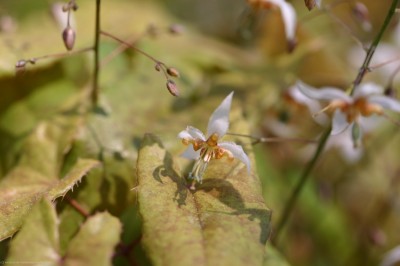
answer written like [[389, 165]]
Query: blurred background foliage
[[347, 214]]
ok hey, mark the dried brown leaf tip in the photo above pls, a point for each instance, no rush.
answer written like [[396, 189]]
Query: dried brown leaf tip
[[172, 88], [68, 36]]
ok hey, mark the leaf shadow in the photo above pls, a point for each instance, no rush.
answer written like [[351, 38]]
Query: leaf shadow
[[226, 193], [167, 170]]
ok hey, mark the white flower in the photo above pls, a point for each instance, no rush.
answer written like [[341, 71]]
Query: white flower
[[206, 148], [288, 16], [352, 110]]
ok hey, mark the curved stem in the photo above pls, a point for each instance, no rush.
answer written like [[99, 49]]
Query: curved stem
[[371, 50], [300, 184]]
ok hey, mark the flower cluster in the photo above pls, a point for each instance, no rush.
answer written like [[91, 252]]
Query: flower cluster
[[203, 148]]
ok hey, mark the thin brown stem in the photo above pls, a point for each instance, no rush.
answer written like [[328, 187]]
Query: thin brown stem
[[395, 59], [74, 204], [60, 55], [272, 140]]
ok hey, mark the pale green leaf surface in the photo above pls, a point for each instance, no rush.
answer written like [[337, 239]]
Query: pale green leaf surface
[[224, 222], [38, 241], [36, 176], [94, 244]]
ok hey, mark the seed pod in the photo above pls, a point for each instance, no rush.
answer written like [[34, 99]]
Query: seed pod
[[173, 72], [68, 36], [172, 88]]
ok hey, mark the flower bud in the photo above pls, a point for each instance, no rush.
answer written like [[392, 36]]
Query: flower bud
[[310, 4], [157, 67], [68, 36], [173, 72], [65, 8], [172, 88], [20, 66], [176, 29]]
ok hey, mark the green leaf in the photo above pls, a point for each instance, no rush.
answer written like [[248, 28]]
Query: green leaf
[[224, 222], [95, 241], [273, 257], [34, 177], [38, 241]]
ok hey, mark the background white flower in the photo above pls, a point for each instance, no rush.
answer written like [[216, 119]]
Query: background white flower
[[366, 102], [288, 16], [206, 148]]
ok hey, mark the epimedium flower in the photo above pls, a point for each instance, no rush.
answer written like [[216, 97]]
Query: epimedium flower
[[288, 16], [366, 102], [204, 148]]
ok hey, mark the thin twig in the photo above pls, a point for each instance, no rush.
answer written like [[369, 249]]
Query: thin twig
[[158, 63], [268, 139], [95, 88], [60, 55], [300, 184], [371, 50]]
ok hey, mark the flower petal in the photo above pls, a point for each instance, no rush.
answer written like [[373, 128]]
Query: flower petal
[[385, 102], [366, 89], [288, 16], [219, 120], [237, 152], [326, 93], [191, 133], [339, 122], [190, 153]]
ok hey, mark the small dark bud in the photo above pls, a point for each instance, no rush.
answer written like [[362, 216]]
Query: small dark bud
[[65, 8], [172, 88], [153, 31], [157, 67], [176, 29], [390, 92], [173, 72], [310, 4], [68, 36], [74, 6], [291, 45]]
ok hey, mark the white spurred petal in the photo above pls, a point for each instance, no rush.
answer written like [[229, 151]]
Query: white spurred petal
[[366, 89], [339, 122], [385, 102], [191, 133], [237, 152], [288, 16], [326, 93], [219, 120], [190, 153]]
